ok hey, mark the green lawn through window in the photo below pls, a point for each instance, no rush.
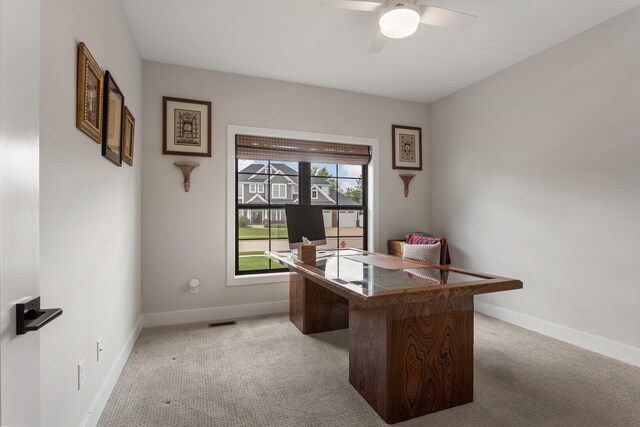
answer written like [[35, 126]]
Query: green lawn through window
[[251, 261], [262, 233]]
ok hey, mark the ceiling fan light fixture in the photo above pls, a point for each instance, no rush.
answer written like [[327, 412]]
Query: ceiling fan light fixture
[[399, 20]]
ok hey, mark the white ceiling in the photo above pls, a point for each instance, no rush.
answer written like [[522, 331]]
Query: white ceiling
[[299, 41]]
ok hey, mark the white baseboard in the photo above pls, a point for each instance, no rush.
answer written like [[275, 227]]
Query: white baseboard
[[104, 392], [214, 313], [622, 352]]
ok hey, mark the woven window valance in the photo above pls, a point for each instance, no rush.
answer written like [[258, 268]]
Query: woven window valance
[[298, 150]]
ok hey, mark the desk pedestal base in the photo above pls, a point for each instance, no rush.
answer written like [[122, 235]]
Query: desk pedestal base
[[412, 359], [314, 309]]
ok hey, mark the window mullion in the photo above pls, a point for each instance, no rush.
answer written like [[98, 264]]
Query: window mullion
[[304, 188]]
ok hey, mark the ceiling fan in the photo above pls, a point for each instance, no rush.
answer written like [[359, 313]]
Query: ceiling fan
[[400, 18]]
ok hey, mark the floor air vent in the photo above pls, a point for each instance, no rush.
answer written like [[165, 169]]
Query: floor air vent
[[228, 323]]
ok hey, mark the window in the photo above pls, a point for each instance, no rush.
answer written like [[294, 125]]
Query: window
[[291, 178], [279, 191], [261, 221], [344, 202], [252, 188], [240, 193]]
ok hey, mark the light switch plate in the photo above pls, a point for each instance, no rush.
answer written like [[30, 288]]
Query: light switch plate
[[80, 374], [98, 349]]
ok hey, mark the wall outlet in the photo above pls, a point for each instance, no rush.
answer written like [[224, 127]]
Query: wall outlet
[[194, 285], [80, 374], [98, 349]]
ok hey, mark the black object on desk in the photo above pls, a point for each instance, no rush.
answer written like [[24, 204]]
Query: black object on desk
[[30, 317]]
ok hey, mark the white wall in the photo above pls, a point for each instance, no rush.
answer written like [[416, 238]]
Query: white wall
[[535, 174], [19, 138], [90, 212], [183, 234]]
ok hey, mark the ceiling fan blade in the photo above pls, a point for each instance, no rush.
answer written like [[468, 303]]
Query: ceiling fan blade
[[378, 43], [363, 6], [432, 15]]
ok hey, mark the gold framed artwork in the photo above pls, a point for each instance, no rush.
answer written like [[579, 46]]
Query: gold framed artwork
[[112, 137], [89, 97], [407, 147], [186, 127], [129, 132]]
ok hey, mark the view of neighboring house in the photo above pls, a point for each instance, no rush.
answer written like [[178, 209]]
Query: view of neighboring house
[[256, 184]]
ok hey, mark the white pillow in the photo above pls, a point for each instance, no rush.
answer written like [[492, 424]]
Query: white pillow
[[424, 253]]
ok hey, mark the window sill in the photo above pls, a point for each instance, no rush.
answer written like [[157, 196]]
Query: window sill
[[258, 279]]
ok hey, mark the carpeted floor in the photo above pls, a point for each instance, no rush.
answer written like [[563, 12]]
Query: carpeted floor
[[263, 372]]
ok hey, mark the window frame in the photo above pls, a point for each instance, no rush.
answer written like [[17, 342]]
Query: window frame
[[373, 208]]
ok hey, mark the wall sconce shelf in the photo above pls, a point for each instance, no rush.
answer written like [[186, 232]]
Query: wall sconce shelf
[[406, 178], [186, 168]]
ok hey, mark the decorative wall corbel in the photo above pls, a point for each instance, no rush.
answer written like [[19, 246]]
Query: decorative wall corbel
[[186, 168], [406, 178]]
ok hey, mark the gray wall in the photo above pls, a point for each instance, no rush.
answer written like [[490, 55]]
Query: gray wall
[[535, 174], [184, 234], [90, 211]]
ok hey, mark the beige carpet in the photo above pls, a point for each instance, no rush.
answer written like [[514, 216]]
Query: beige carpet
[[263, 372]]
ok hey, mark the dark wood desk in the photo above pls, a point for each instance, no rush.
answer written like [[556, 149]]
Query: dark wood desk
[[410, 329]]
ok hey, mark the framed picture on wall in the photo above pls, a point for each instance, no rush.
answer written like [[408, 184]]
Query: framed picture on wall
[[407, 147], [90, 80], [112, 137], [186, 127], [129, 132]]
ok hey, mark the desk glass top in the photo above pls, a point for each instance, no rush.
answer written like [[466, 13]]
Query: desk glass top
[[351, 268]]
